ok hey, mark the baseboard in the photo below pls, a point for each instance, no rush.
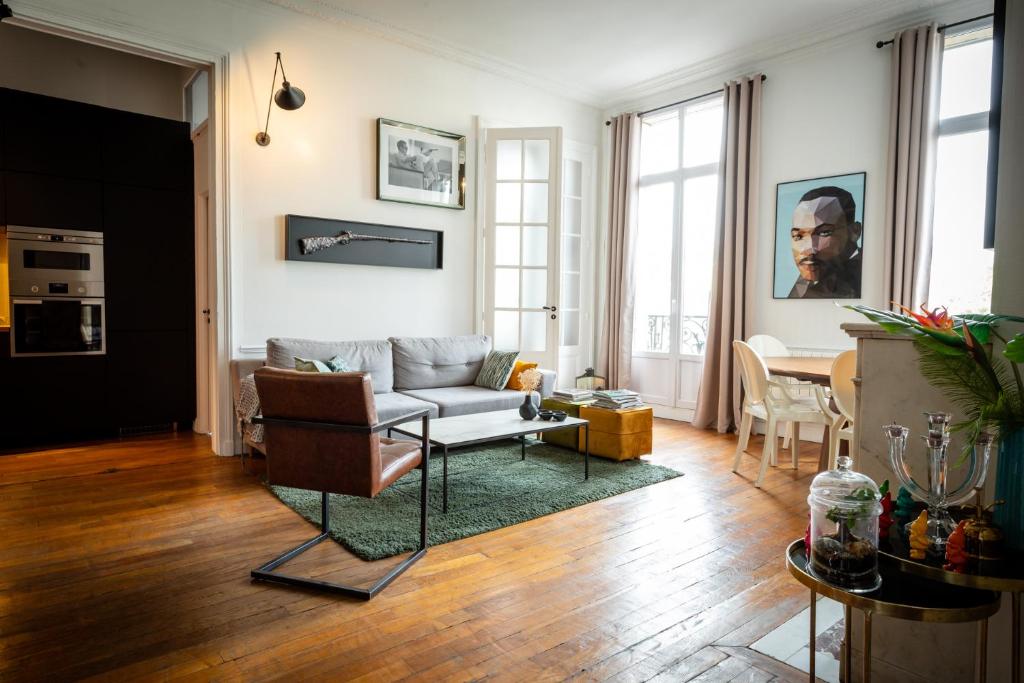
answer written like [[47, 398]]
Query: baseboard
[[672, 413]]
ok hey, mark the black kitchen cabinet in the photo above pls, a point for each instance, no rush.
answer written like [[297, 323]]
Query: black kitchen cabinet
[[149, 258], [146, 151], [76, 166], [54, 398], [51, 136], [150, 378], [46, 201]]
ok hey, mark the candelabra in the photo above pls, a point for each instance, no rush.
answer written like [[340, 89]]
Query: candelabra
[[936, 494]]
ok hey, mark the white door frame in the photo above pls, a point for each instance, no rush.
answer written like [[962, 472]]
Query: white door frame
[[151, 42]]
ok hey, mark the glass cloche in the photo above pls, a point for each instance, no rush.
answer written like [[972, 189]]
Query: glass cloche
[[844, 528]]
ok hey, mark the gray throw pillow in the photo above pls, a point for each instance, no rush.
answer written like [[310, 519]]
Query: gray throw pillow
[[336, 364], [496, 370]]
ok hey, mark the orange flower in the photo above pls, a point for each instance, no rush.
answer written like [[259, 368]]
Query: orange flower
[[936, 319]]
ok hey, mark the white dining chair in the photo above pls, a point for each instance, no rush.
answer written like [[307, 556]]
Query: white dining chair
[[772, 402], [767, 346], [844, 367]]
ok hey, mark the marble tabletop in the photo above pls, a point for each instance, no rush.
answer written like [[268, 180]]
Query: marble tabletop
[[499, 424]]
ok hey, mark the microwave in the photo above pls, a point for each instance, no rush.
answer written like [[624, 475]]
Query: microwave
[[52, 262]]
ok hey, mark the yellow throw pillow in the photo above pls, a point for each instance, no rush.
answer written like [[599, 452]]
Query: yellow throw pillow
[[513, 381]]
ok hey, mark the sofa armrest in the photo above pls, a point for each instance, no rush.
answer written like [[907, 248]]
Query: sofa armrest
[[547, 382], [241, 368]]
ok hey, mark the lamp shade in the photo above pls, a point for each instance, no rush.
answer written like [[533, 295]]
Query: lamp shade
[[289, 97]]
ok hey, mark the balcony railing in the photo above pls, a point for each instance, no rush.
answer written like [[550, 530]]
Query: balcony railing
[[693, 335]]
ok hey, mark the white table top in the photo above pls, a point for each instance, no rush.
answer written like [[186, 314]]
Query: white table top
[[499, 424]]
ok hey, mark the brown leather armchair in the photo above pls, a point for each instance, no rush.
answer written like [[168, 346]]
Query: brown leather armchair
[[322, 434]]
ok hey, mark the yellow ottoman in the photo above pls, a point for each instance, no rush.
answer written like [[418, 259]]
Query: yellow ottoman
[[620, 434], [615, 434], [566, 438]]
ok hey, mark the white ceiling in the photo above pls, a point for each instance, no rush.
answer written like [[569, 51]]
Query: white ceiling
[[598, 51]]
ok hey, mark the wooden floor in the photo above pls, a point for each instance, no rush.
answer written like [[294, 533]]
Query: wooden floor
[[130, 560]]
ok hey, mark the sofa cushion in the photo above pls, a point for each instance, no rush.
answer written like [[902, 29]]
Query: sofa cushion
[[467, 400], [497, 369], [372, 356], [393, 404], [432, 362]]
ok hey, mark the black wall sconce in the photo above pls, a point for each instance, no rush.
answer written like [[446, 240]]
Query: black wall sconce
[[288, 98]]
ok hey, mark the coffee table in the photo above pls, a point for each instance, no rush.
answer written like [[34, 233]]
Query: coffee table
[[468, 430]]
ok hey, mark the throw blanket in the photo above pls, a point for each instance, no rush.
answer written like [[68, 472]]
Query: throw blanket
[[249, 407]]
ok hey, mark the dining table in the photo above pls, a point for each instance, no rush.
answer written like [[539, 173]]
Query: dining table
[[813, 369]]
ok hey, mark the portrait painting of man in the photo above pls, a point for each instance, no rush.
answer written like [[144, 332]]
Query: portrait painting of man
[[819, 234]]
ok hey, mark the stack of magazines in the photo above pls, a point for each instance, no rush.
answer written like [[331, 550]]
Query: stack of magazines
[[617, 399], [577, 396]]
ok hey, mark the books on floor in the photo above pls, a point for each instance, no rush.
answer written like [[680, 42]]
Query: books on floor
[[576, 396], [617, 399]]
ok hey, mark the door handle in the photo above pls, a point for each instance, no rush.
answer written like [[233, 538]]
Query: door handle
[[550, 308]]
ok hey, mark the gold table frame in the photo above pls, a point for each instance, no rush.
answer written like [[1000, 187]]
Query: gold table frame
[[870, 604]]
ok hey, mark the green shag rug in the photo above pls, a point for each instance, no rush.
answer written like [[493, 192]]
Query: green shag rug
[[489, 487]]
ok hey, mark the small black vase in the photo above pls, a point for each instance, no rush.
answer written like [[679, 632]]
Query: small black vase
[[528, 410]]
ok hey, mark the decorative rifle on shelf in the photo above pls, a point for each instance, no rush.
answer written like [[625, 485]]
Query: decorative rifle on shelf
[[311, 245]]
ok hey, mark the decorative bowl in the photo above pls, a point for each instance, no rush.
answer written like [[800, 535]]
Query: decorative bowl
[[546, 414], [559, 415]]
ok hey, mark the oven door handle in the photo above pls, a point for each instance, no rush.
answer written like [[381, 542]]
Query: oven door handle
[[27, 301]]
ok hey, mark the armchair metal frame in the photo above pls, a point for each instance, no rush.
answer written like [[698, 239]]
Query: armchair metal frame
[[267, 573]]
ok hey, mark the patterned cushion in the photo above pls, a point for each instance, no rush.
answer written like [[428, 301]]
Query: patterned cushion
[[335, 364], [513, 380], [497, 368]]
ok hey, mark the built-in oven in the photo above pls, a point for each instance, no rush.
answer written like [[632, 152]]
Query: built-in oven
[[56, 289], [57, 326]]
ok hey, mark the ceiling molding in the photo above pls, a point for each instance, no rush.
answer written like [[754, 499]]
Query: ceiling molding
[[334, 13], [884, 17], [852, 26]]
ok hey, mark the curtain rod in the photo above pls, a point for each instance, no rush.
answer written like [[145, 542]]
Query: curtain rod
[[943, 27], [674, 104]]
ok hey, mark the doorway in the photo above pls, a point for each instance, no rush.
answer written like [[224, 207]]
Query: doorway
[[211, 203]]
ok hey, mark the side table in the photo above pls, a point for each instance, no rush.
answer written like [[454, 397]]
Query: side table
[[1004, 576], [901, 596]]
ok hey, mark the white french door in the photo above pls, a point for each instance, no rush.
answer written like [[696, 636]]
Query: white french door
[[522, 233], [577, 257]]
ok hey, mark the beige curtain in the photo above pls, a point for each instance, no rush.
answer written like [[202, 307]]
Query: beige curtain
[[617, 328], [913, 123], [718, 401]]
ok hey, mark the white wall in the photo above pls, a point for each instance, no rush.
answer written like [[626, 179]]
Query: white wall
[[321, 163], [51, 65], [824, 115]]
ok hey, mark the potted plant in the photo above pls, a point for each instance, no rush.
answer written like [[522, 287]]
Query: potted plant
[[956, 356]]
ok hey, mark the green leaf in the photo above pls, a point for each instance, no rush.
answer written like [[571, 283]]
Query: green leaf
[[1014, 350], [939, 346], [889, 321]]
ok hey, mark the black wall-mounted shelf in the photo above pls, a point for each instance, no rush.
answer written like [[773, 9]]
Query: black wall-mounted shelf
[[366, 253]]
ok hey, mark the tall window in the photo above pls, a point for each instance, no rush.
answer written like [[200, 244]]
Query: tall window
[[961, 268], [679, 157]]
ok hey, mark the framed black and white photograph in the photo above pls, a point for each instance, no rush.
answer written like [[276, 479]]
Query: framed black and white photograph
[[819, 235], [420, 165]]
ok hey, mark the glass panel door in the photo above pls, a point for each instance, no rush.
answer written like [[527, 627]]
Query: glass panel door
[[522, 235], [575, 334]]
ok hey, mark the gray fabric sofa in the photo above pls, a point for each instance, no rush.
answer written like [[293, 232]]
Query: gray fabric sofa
[[407, 373]]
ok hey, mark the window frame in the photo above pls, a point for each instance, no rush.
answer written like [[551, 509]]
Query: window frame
[[678, 177], [962, 124]]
